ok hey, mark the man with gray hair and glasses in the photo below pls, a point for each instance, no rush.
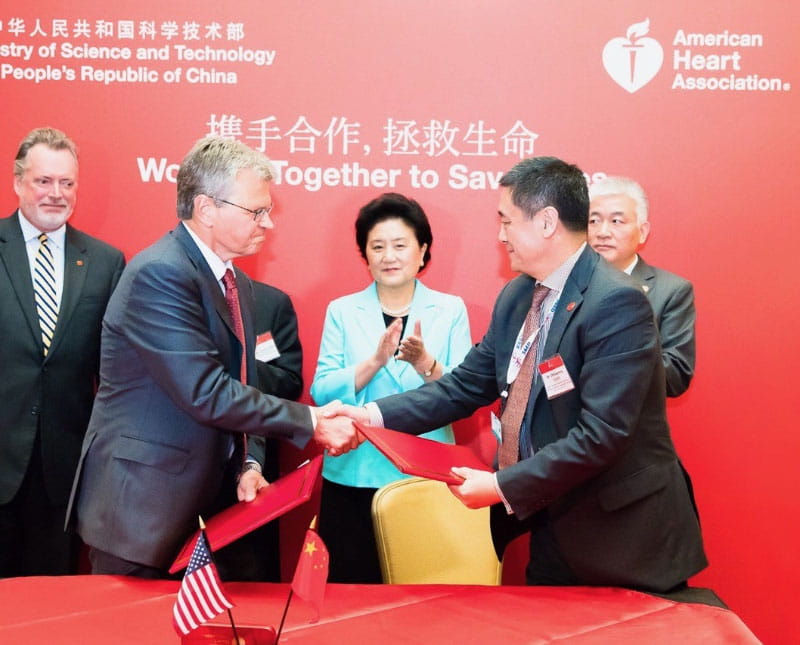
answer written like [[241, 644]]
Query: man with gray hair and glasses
[[178, 412], [618, 227]]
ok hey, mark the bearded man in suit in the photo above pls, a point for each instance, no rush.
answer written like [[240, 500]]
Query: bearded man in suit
[[55, 282]]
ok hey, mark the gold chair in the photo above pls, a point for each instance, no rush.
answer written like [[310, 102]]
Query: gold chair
[[426, 536]]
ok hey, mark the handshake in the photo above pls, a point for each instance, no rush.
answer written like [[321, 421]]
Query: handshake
[[334, 430], [336, 433]]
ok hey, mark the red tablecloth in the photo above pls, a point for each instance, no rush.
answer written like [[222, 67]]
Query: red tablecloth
[[117, 610]]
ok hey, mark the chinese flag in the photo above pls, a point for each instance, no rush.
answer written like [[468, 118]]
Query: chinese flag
[[311, 573]]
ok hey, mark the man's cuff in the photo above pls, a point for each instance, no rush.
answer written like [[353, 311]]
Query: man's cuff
[[503, 499], [374, 412]]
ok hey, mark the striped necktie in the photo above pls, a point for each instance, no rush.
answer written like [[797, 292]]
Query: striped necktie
[[44, 291]]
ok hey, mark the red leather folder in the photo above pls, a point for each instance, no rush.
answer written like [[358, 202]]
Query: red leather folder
[[422, 457], [280, 496]]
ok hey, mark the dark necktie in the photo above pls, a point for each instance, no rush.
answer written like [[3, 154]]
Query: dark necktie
[[44, 291], [514, 411], [232, 298]]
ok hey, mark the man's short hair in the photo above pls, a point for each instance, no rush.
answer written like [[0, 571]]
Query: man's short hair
[[539, 182], [50, 137], [210, 168], [617, 185]]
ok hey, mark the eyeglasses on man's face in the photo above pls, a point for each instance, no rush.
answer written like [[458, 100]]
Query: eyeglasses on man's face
[[258, 215]]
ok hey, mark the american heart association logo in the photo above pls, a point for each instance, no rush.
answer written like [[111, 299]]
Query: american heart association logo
[[633, 61]]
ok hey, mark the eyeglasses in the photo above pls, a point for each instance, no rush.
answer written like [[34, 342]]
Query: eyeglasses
[[258, 215]]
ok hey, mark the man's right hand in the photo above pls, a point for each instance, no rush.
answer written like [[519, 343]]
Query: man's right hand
[[336, 434]]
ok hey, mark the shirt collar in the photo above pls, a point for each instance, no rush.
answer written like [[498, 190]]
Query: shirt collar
[[629, 269], [29, 231], [215, 263], [558, 278]]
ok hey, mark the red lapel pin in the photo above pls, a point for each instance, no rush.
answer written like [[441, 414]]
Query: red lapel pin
[[571, 306]]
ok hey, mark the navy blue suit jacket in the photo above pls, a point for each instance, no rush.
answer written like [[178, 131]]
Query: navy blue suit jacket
[[170, 406]]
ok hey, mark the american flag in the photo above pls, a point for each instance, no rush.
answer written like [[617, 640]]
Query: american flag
[[200, 597]]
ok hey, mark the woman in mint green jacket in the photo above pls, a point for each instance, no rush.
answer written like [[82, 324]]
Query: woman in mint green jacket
[[393, 336]]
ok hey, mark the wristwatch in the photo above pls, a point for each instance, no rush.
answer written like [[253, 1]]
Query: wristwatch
[[429, 372], [250, 465]]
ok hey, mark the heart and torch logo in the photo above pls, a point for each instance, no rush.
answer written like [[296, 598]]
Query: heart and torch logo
[[633, 61]]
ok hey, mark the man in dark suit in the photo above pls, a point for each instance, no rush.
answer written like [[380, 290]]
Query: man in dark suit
[[618, 227], [279, 355], [279, 363], [49, 370], [165, 440], [590, 468]]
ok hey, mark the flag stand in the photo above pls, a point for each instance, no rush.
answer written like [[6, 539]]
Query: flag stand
[[210, 634], [201, 598], [233, 627], [283, 618], [310, 574]]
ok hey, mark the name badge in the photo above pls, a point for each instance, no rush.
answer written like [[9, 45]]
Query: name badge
[[266, 349], [555, 377]]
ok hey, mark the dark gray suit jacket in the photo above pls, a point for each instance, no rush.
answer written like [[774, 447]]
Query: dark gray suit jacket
[[169, 405], [672, 299], [55, 392], [604, 469], [282, 376], [273, 312]]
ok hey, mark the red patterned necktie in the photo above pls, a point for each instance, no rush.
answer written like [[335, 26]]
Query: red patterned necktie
[[517, 404], [232, 298]]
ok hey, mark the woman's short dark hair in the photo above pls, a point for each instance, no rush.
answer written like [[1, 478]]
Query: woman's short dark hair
[[391, 206]]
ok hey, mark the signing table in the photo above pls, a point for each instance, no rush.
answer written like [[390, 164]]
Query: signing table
[[118, 610]]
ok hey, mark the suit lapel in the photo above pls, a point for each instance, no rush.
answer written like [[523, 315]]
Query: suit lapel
[[14, 257], [214, 289], [213, 286], [569, 303], [644, 275]]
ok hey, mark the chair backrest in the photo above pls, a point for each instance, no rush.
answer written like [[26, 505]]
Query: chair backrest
[[426, 536]]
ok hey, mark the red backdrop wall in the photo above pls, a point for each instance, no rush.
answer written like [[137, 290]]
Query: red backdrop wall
[[694, 100]]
